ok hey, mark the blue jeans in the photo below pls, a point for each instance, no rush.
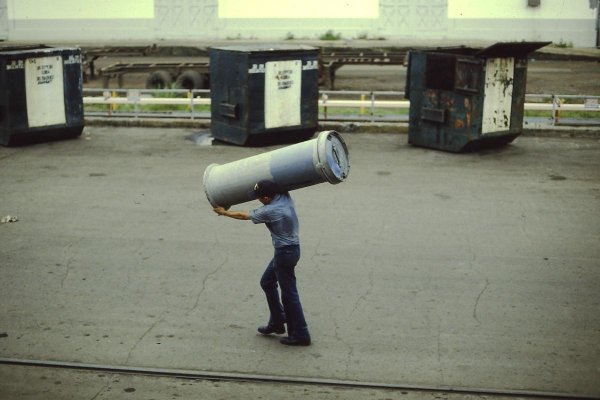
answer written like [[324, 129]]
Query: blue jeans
[[281, 271]]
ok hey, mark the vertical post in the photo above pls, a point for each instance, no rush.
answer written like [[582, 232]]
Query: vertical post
[[556, 103], [372, 106], [113, 106], [553, 110], [133, 96], [362, 98], [190, 95]]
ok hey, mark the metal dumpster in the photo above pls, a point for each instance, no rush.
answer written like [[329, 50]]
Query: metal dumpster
[[264, 94], [463, 99], [40, 94]]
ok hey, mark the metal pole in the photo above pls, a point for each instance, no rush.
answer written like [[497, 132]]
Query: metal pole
[[372, 106], [191, 96]]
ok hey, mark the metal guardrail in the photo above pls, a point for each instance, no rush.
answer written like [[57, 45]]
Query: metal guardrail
[[372, 106]]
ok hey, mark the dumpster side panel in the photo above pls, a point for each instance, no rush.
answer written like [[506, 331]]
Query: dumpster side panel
[[256, 86], [73, 79], [45, 91], [15, 118], [283, 83], [459, 129], [3, 101], [229, 88], [17, 103], [416, 82], [433, 118], [309, 110], [497, 104], [285, 92], [519, 90], [439, 117]]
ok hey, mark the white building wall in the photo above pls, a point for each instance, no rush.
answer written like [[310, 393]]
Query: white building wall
[[567, 21], [80, 20], [3, 20]]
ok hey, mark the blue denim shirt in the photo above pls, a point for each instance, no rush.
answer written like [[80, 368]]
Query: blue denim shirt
[[281, 220]]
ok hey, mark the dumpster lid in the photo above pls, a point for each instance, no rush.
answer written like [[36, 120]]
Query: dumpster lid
[[511, 49], [261, 48]]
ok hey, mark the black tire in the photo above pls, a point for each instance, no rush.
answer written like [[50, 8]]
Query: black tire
[[190, 80], [159, 80]]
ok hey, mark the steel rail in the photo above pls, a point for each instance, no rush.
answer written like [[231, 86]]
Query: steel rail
[[108, 98], [259, 378], [333, 103], [367, 104]]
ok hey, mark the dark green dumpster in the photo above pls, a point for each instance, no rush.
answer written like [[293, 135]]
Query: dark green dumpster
[[463, 99], [264, 94], [40, 94]]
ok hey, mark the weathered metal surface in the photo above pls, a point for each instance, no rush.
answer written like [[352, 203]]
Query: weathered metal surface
[[497, 103], [463, 99], [323, 159]]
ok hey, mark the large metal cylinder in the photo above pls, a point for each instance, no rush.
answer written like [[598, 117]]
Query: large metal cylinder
[[323, 159]]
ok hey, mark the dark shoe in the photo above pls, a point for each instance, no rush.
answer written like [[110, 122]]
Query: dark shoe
[[268, 329], [291, 341]]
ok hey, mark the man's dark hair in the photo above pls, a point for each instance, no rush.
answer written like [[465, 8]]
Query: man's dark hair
[[267, 188]]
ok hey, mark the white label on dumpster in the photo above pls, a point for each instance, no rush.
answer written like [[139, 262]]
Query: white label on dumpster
[[45, 91], [283, 81], [497, 102]]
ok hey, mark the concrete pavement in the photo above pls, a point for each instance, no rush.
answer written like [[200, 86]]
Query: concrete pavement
[[426, 268]]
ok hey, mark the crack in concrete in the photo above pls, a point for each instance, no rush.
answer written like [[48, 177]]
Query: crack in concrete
[[316, 253], [102, 389], [158, 320], [203, 288], [439, 351], [69, 263], [339, 339], [487, 283], [367, 293]]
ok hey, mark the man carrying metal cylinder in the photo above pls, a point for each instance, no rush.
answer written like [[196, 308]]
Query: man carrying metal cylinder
[[279, 215]]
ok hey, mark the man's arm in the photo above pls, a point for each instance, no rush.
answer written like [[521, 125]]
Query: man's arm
[[242, 215]]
